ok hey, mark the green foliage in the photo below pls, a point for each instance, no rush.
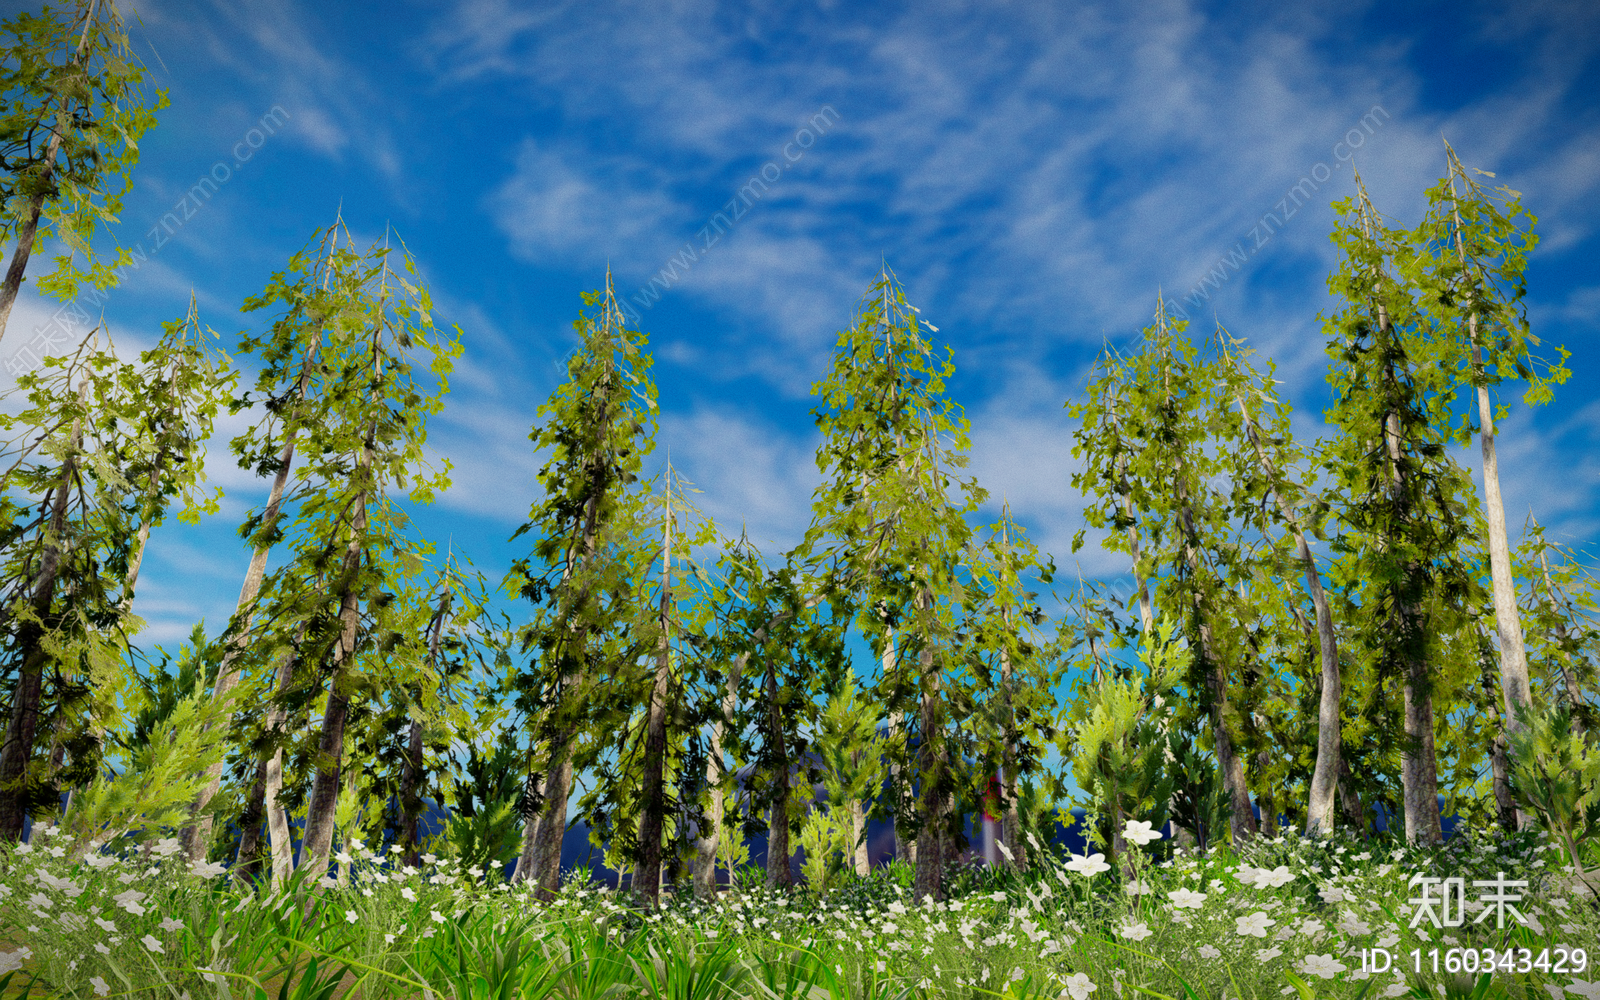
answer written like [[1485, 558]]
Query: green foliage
[[163, 773], [828, 841], [1118, 733], [74, 109], [1556, 774]]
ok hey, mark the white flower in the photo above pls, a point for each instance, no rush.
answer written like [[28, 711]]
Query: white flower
[[100, 861], [1583, 989], [1273, 879], [40, 901], [208, 869], [100, 946], [350, 915], [343, 858], [1206, 951], [129, 900], [1555, 991], [100, 987], [1088, 865], [1187, 899], [1136, 888], [1137, 831], [171, 924], [1332, 894], [408, 893], [153, 944], [105, 925], [1396, 990], [165, 847], [1353, 925], [1001, 845], [1325, 966], [1268, 954], [1079, 986], [1255, 925], [1134, 932], [438, 917], [388, 939]]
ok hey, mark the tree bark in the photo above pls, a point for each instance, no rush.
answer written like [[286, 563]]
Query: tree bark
[[705, 872], [198, 833], [652, 792], [1515, 687], [1325, 773], [1569, 682], [778, 850], [24, 722], [246, 863]]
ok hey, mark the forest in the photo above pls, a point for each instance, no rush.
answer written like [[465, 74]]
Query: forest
[[1338, 641]]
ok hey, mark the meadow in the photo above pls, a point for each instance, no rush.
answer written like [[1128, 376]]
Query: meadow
[[1283, 916]]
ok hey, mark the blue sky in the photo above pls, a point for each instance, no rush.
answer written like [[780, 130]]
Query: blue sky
[[1032, 172]]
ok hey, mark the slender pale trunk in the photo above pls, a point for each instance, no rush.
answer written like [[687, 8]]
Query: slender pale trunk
[[705, 871], [278, 833], [246, 862], [1514, 684], [198, 833], [778, 851], [29, 229], [1325, 773], [905, 848], [29, 691], [652, 792]]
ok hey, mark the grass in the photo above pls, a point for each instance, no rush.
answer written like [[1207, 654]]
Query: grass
[[1283, 917]]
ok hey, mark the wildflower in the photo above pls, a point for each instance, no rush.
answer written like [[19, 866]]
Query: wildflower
[[208, 869], [105, 925], [129, 900], [350, 915], [100, 987], [1187, 899], [1137, 831], [1206, 951], [1255, 925], [1079, 986], [438, 917], [100, 861], [1332, 894], [1325, 966], [1278, 876], [1396, 990], [1134, 932], [1268, 954], [100, 946], [1138, 887], [388, 939], [171, 924], [40, 901], [1005, 850], [165, 847], [154, 945], [1088, 865], [1583, 989], [409, 893]]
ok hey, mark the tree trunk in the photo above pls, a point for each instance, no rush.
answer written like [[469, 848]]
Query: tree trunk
[[198, 833], [778, 850], [858, 831], [247, 862], [410, 797], [30, 226], [652, 792], [705, 872], [24, 722], [1325, 773], [1419, 772], [271, 775], [1514, 684], [1350, 800], [1242, 821]]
